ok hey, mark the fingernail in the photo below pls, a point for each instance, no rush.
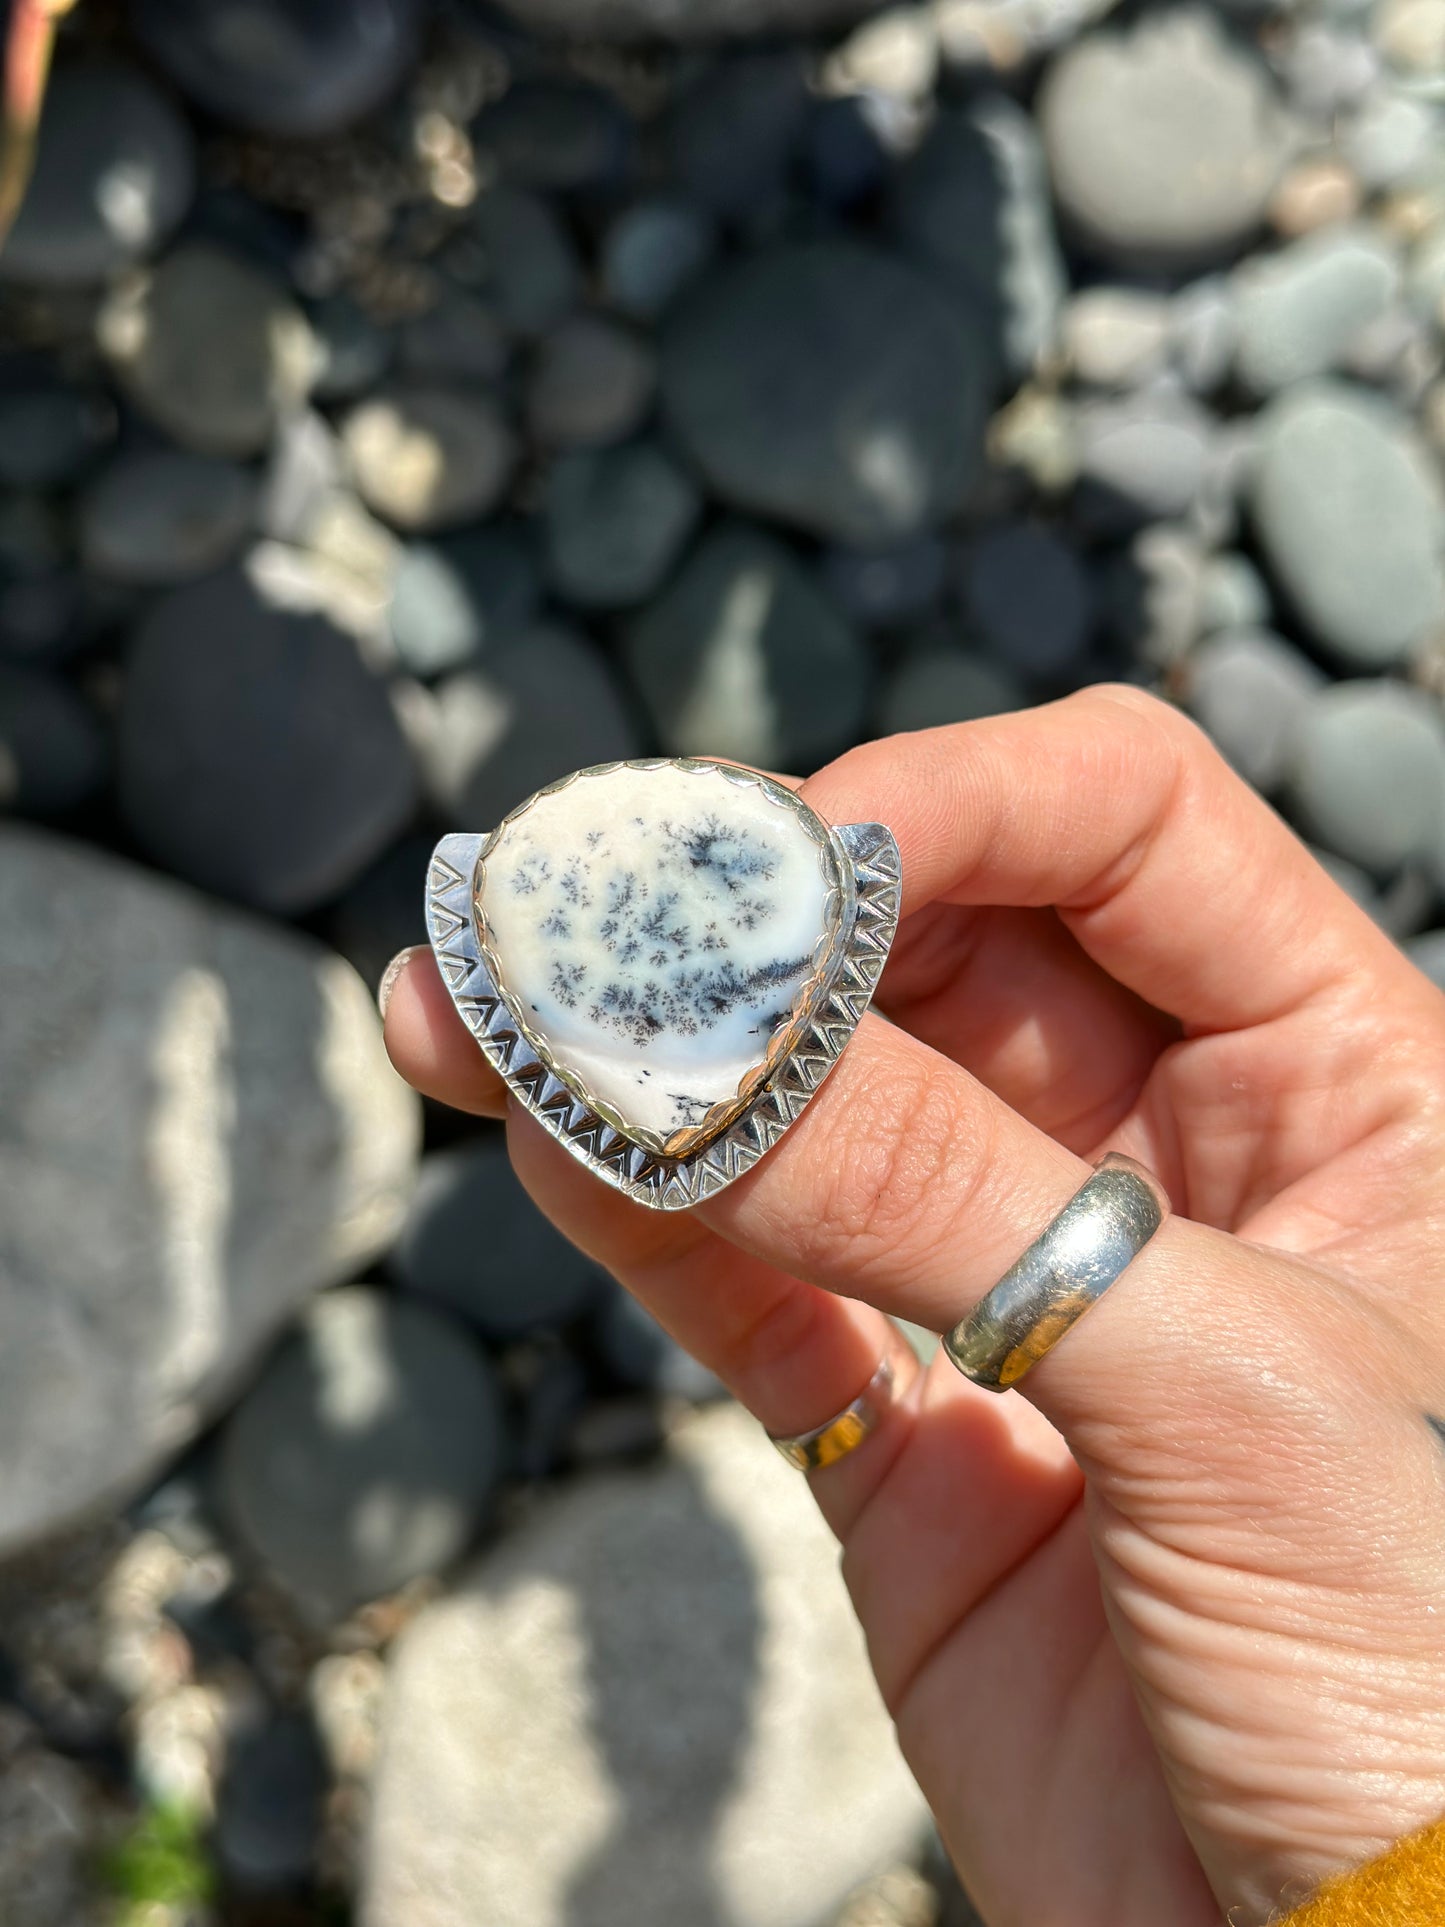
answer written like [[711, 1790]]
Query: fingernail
[[389, 976]]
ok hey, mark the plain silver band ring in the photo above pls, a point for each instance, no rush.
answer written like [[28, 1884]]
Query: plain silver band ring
[[1099, 1232], [827, 1443]]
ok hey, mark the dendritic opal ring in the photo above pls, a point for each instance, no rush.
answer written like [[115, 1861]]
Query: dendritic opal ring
[[664, 960]]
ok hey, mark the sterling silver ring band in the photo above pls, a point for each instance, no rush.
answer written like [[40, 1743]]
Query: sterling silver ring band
[[827, 1443], [1096, 1236]]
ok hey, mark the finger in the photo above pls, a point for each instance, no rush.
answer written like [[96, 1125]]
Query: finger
[[428, 1042]]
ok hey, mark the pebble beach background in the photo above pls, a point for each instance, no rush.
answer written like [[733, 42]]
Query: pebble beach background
[[402, 404]]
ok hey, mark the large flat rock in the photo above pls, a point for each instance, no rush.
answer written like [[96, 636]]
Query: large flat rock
[[649, 1706], [201, 1128]]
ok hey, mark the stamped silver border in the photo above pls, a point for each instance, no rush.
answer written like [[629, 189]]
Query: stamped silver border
[[867, 860]]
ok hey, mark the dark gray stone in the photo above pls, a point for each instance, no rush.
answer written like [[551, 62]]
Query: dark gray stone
[[201, 1129], [353, 351], [454, 599], [1144, 458], [1300, 311], [556, 135], [50, 431], [543, 703], [733, 133], [475, 1242], [616, 520], [591, 382], [973, 205], [641, 1355], [258, 756], [652, 251], [698, 20], [295, 68], [269, 1803], [1365, 775], [1350, 518], [846, 159], [1164, 140], [428, 457], [156, 516], [881, 588], [938, 685], [459, 338], [830, 386], [1250, 689], [1232, 595], [743, 656], [382, 912], [114, 175], [1027, 599], [528, 265], [368, 1452], [54, 754]]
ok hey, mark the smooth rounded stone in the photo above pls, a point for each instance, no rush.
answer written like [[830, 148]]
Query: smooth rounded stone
[[453, 599], [732, 135], [591, 382], [367, 1453], [427, 457], [382, 912], [352, 351], [880, 588], [269, 1802], [1164, 141], [202, 1129], [1027, 598], [529, 266], [294, 68], [1250, 689], [1232, 594], [1365, 774], [155, 516], [657, 925], [1151, 594], [640, 1354], [845, 152], [544, 703], [829, 386], [1325, 66], [475, 1242], [210, 348], [742, 656], [650, 253], [1391, 139], [45, 613], [1300, 310], [1427, 952], [114, 175], [559, 136], [675, 1663], [1117, 337], [940, 685], [1410, 34], [1204, 333], [972, 204], [1314, 193], [1145, 458], [616, 520], [50, 430], [54, 754], [1350, 518], [553, 1396], [259, 758], [459, 338]]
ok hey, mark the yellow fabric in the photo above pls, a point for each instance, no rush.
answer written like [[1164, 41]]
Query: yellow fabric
[[1403, 1888]]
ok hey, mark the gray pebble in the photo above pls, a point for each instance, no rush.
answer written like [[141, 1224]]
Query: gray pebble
[[258, 757], [556, 135], [1027, 599], [352, 351], [459, 338], [382, 912], [54, 754], [939, 686], [591, 383], [1326, 67], [1365, 775], [1250, 689], [1350, 518], [742, 656], [528, 265], [368, 1452], [1232, 594], [475, 1242], [733, 133], [1391, 139], [1153, 594], [1300, 310], [638, 1352], [844, 152], [1117, 337], [455, 599], [50, 431], [652, 251], [1141, 459], [114, 175], [159, 515], [880, 588], [427, 457], [269, 1802], [830, 386], [1164, 141], [616, 520], [1204, 333]]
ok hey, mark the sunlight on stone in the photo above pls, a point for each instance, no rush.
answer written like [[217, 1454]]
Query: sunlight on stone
[[189, 1151], [126, 196], [411, 456], [890, 470], [730, 711], [356, 1380]]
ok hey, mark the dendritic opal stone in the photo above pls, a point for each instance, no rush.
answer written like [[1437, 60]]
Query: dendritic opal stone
[[654, 927]]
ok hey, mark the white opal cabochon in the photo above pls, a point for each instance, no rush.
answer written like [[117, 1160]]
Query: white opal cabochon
[[654, 927]]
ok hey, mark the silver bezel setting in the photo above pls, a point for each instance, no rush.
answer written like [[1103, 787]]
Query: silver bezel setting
[[855, 949]]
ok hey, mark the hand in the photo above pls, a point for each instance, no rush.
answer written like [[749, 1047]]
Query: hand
[[1165, 1636]]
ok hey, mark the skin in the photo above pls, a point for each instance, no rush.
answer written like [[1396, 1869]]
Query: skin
[[1163, 1631]]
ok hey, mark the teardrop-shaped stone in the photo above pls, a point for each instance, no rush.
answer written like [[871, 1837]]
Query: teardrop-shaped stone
[[655, 927]]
